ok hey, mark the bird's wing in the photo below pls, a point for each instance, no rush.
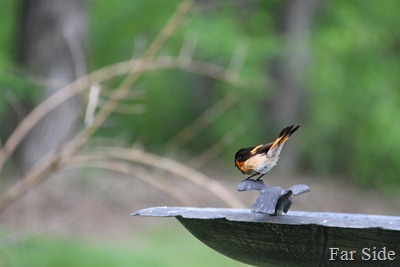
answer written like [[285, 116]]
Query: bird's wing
[[261, 149]]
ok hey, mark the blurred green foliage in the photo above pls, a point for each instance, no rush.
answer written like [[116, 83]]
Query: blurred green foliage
[[354, 96], [350, 124], [168, 247]]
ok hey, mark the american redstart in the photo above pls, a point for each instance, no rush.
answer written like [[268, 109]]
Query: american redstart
[[259, 160]]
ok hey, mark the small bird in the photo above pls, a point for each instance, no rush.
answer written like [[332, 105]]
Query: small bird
[[259, 160]]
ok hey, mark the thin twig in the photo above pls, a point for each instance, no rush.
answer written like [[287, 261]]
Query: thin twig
[[118, 69], [149, 56], [201, 122], [142, 157], [187, 50], [15, 103], [128, 169], [82, 83], [78, 86], [39, 171], [214, 150], [135, 68], [237, 60], [38, 113], [92, 103], [33, 177]]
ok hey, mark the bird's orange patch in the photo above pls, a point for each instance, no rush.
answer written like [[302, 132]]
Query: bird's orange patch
[[241, 166], [254, 150]]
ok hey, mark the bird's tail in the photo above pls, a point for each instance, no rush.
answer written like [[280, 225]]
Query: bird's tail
[[276, 147]]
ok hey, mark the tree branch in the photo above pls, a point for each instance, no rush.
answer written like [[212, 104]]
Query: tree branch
[[134, 69], [198, 67], [145, 158]]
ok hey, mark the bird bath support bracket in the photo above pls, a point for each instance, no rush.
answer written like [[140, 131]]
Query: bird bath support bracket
[[273, 200]]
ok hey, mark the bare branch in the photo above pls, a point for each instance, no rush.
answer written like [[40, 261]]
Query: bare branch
[[211, 152], [139, 45], [79, 85], [169, 28], [204, 120], [15, 103], [128, 169], [93, 100], [142, 157], [187, 50], [238, 57], [118, 69], [38, 113], [34, 176], [130, 109], [66, 154], [50, 162]]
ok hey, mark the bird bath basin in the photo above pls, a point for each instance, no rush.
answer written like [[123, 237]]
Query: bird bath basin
[[294, 239]]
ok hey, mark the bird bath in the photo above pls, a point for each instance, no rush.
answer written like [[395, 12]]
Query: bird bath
[[295, 239]]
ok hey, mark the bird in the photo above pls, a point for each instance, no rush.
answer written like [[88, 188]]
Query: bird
[[259, 160]]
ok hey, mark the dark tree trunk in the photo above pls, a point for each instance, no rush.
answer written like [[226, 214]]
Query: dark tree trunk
[[289, 70], [52, 34]]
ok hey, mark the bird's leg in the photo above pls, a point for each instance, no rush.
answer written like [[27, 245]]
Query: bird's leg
[[259, 177], [248, 178]]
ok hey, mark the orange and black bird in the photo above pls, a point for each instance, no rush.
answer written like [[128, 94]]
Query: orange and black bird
[[259, 160]]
